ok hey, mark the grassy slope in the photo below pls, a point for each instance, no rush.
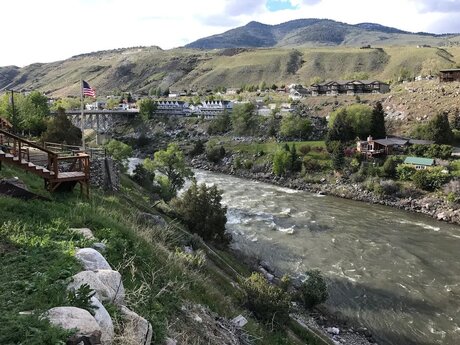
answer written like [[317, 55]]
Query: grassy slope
[[142, 69], [36, 251]]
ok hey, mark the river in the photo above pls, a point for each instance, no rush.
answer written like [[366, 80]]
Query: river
[[396, 273]]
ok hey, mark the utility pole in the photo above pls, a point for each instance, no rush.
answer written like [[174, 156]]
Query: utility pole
[[13, 115]]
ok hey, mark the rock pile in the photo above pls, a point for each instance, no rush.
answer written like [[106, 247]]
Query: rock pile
[[108, 287]]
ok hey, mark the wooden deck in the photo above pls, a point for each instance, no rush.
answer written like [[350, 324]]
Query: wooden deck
[[59, 172]]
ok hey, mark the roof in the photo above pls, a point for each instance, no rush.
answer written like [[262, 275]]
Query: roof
[[450, 70], [419, 161], [420, 142]]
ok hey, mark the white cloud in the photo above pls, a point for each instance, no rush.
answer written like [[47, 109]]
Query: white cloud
[[49, 30]]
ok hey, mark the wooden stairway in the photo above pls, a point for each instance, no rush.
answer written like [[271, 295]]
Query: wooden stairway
[[60, 173]]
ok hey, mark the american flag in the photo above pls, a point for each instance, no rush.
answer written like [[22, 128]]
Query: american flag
[[88, 90]]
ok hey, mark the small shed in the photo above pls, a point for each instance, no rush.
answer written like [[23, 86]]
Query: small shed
[[420, 163], [447, 75]]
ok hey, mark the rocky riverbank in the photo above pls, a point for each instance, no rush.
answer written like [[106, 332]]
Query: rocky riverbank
[[430, 205]]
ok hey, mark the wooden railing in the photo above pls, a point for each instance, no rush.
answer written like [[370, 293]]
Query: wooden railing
[[34, 153]]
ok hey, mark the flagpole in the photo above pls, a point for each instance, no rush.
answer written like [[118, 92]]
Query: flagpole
[[82, 117]]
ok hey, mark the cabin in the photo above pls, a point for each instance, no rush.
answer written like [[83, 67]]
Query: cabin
[[420, 163], [381, 147], [449, 75]]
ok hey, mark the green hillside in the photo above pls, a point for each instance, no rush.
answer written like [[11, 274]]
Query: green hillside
[[140, 70]]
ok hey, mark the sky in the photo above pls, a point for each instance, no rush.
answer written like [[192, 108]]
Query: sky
[[51, 30]]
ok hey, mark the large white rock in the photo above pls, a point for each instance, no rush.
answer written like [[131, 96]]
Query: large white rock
[[73, 318], [92, 260], [106, 283], [85, 232], [90, 278], [137, 330], [104, 321], [112, 280]]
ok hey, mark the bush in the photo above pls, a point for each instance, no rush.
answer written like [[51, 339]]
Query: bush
[[405, 172], [248, 164], [201, 210], [119, 150], [430, 180], [314, 290], [387, 187], [280, 162], [389, 167], [310, 164], [198, 148], [304, 149], [269, 303], [215, 153]]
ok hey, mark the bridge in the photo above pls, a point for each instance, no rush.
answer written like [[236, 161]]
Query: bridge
[[99, 120]]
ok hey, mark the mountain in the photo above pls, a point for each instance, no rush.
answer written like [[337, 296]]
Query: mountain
[[297, 51], [314, 32]]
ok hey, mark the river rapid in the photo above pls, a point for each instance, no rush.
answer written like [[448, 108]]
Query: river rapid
[[396, 273]]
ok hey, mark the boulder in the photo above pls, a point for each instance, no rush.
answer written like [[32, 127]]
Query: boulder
[[137, 330], [106, 283], [104, 321], [103, 293], [92, 260], [85, 232], [100, 247], [151, 219], [70, 318], [112, 280]]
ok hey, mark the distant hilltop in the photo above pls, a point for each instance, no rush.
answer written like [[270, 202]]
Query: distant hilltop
[[314, 32]]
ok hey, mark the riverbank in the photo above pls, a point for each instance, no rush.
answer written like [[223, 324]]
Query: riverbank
[[434, 207]]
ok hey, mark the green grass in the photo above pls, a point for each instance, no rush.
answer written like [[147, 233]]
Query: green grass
[[36, 251]]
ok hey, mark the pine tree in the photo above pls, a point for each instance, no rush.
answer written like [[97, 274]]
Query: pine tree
[[378, 122], [439, 129], [338, 158]]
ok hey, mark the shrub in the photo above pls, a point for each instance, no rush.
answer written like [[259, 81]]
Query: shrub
[[313, 291], [405, 172], [280, 162], [387, 187], [304, 149], [310, 164], [198, 148], [195, 260], [430, 179], [269, 303], [215, 153], [247, 164], [119, 151], [389, 167], [201, 210]]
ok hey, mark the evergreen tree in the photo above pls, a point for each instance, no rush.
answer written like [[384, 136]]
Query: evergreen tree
[[61, 130], [341, 130], [338, 158], [294, 164], [439, 130], [456, 123], [377, 129]]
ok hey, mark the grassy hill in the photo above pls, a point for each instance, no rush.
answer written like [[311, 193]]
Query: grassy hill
[[140, 70]]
